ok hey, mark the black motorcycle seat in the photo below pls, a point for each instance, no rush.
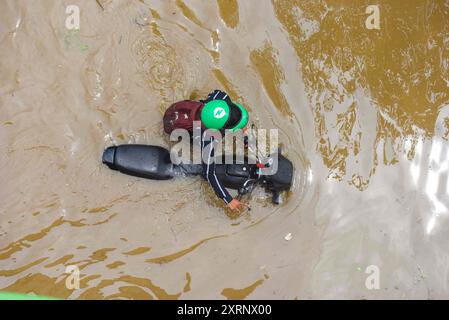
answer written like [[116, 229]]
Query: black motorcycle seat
[[145, 161]]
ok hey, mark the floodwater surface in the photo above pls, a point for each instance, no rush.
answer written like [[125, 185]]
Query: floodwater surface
[[362, 113]]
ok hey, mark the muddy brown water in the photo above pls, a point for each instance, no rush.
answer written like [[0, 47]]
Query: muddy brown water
[[362, 114]]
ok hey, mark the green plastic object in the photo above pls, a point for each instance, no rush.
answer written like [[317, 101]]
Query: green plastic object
[[216, 113], [21, 296]]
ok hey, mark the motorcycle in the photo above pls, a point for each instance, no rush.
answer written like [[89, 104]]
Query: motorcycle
[[153, 162]]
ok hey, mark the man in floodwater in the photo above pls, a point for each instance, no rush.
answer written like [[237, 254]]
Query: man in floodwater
[[217, 112]]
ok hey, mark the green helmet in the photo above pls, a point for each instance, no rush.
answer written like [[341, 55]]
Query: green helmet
[[217, 114]]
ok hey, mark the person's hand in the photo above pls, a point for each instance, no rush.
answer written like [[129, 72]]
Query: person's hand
[[235, 205], [245, 137]]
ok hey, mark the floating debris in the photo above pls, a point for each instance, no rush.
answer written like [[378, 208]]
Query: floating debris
[[288, 237]]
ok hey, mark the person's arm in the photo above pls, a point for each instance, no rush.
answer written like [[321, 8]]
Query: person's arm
[[211, 176], [245, 137]]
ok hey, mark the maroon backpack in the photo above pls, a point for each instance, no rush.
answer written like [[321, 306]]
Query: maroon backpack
[[181, 115]]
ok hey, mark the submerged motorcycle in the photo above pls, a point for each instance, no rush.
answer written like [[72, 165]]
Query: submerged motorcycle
[[153, 162]]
